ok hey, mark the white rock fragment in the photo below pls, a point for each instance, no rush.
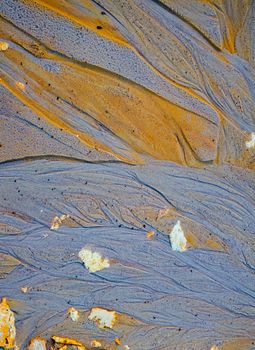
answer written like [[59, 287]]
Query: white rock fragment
[[37, 344], [103, 318], [24, 289], [93, 261], [74, 314], [7, 326], [57, 221], [251, 143], [177, 238]]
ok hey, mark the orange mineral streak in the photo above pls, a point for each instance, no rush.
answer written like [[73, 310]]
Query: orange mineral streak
[[229, 41], [7, 326], [178, 85], [144, 121], [92, 21], [228, 32], [56, 121], [231, 17], [66, 10]]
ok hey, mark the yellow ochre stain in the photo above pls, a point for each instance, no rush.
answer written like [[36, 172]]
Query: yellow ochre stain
[[96, 344], [68, 341], [3, 46], [20, 85], [7, 326], [150, 234], [117, 341]]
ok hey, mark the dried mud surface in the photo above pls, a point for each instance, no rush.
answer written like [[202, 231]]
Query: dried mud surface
[[127, 185]]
